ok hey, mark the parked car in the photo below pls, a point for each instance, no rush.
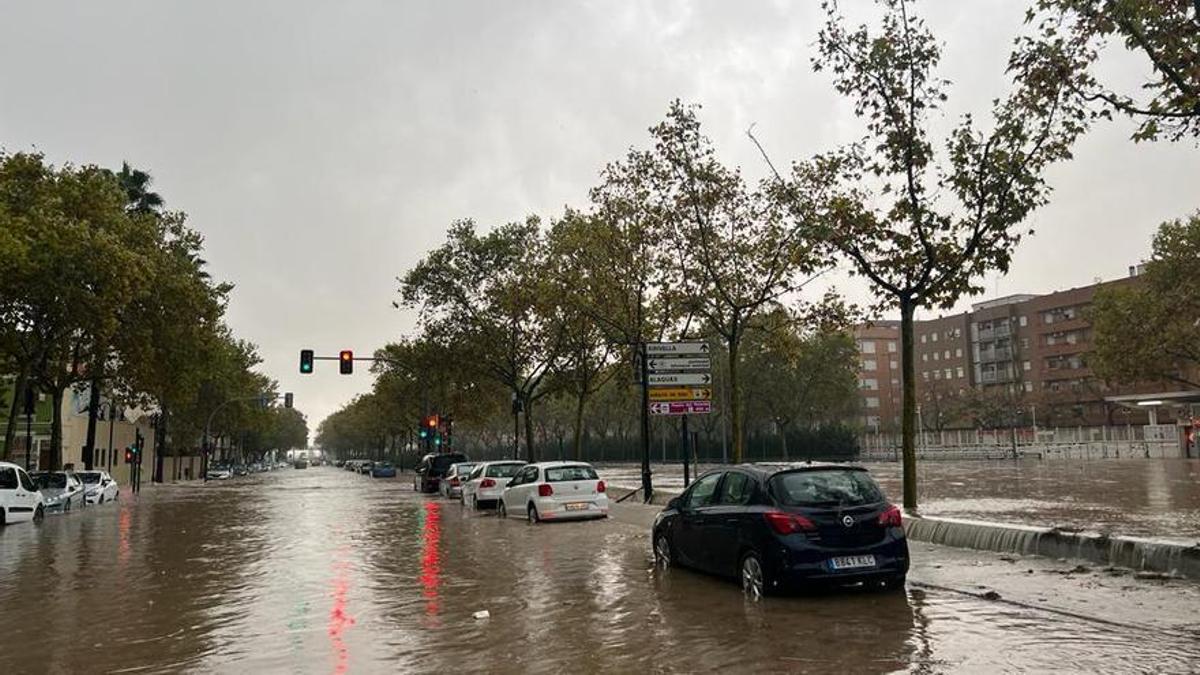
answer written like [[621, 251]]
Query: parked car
[[20, 500], [99, 487], [555, 491], [220, 473], [486, 483], [383, 470], [365, 467], [778, 526], [432, 468], [240, 470], [451, 484], [61, 490]]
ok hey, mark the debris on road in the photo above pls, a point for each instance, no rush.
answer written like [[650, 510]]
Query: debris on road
[[482, 614]]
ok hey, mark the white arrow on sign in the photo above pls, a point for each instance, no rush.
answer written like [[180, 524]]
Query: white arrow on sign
[[661, 365], [677, 348], [679, 378]]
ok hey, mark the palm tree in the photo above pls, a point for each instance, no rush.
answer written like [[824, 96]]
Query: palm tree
[[136, 184]]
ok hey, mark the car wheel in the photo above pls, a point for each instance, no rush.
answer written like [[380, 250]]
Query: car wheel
[[662, 552], [501, 510], [754, 578], [101, 499], [474, 503], [39, 515], [532, 513], [67, 507]]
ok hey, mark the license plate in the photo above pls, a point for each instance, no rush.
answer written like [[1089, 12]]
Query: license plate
[[577, 506], [852, 562]]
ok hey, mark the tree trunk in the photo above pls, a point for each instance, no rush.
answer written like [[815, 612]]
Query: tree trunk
[[89, 447], [578, 440], [735, 399], [530, 452], [56, 454], [908, 416], [17, 407]]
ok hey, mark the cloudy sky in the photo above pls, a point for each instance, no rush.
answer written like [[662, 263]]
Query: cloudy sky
[[322, 147]]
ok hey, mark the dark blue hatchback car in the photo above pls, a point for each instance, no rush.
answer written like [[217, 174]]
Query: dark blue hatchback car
[[777, 526]]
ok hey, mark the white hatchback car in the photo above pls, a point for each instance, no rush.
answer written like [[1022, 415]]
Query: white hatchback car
[[555, 491], [486, 482], [100, 487], [20, 499]]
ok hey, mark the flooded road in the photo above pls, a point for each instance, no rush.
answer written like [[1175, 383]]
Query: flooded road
[[324, 571], [1157, 498]]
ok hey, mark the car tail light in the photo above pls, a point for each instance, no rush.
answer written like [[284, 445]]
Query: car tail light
[[454, 481], [600, 486], [545, 490], [890, 517], [788, 523], [487, 483]]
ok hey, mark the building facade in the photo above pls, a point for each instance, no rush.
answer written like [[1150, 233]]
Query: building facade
[[1019, 360]]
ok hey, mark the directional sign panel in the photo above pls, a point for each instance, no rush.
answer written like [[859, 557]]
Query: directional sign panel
[[680, 394], [681, 408], [681, 364], [676, 349], [678, 379]]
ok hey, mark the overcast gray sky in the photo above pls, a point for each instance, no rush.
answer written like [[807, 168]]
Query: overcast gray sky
[[322, 147]]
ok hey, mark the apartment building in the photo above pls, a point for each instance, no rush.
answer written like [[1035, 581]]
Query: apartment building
[[1029, 350], [879, 374]]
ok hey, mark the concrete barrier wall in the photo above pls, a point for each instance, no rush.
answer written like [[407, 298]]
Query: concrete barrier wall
[[1134, 552]]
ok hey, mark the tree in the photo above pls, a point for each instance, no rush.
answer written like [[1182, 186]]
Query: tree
[[136, 184], [920, 225], [1149, 331], [486, 295], [736, 252], [1070, 36]]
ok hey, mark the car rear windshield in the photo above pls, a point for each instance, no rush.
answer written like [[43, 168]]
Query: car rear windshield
[[565, 473], [50, 480], [90, 477], [443, 462], [503, 470], [833, 487]]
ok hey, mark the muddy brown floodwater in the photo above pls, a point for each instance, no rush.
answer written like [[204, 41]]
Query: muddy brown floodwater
[[324, 571], [1157, 498]]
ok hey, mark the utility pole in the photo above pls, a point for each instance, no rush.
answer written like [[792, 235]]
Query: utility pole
[[30, 407], [647, 486], [684, 438]]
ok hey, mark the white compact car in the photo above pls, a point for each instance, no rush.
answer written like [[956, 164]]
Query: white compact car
[[486, 483], [555, 491], [100, 487], [452, 483], [61, 490], [20, 499]]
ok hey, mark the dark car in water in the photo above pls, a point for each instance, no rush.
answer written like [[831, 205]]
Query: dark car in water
[[778, 526], [383, 470], [433, 467]]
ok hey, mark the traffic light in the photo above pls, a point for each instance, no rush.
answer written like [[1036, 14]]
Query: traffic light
[[306, 362], [287, 400], [346, 361], [128, 455], [432, 422]]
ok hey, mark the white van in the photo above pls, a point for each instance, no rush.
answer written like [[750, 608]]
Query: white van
[[19, 498]]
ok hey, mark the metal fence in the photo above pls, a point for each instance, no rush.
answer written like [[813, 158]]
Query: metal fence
[[1052, 443]]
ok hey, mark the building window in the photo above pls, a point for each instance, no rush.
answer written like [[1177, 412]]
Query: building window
[[891, 346], [869, 383], [946, 355], [873, 421], [869, 364], [958, 353], [961, 373], [1023, 321], [924, 374], [1025, 365], [867, 346], [895, 381], [872, 401], [1028, 386], [1024, 343], [933, 337], [925, 357], [947, 373], [894, 364], [937, 374], [936, 356]]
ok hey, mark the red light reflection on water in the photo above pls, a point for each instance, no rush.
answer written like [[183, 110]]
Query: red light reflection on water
[[124, 525], [431, 557], [339, 619]]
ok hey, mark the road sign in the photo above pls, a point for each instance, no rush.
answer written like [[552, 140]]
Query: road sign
[[681, 364], [677, 379], [680, 394], [677, 348], [681, 408]]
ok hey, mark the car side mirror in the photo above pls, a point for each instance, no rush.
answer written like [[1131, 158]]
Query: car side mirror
[[510, 482]]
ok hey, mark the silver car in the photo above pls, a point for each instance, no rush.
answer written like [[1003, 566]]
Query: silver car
[[62, 490], [451, 485]]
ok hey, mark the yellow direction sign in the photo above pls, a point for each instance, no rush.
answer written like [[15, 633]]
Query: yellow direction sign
[[680, 394]]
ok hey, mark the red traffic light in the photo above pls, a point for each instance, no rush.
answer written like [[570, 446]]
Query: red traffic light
[[128, 456], [346, 361], [432, 421]]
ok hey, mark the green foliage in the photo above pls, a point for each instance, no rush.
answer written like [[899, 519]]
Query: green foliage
[[1149, 330], [1071, 35]]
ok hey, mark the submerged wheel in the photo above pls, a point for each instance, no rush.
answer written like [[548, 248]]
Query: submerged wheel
[[754, 579], [501, 510], [532, 513], [39, 515], [662, 552]]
